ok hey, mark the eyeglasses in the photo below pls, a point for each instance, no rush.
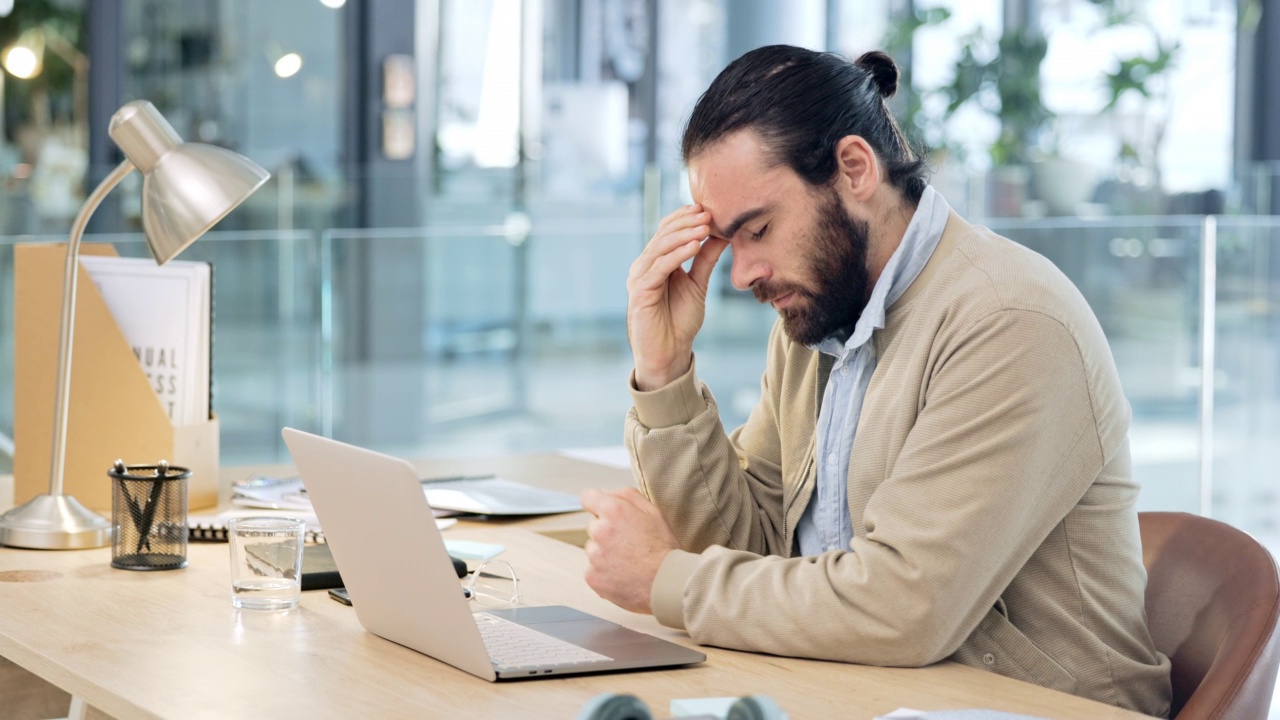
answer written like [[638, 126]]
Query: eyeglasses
[[493, 584]]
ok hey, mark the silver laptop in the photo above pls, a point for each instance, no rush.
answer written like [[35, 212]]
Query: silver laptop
[[392, 558]]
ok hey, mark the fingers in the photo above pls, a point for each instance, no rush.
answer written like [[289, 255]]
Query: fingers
[[607, 505], [590, 499], [637, 499], [596, 529], [680, 215], [705, 261], [662, 268], [690, 219], [683, 219], [599, 502], [663, 245], [632, 496]]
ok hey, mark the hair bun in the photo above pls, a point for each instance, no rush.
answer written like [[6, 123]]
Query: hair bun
[[884, 72]]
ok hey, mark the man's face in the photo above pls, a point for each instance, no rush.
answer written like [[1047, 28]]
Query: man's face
[[794, 246]]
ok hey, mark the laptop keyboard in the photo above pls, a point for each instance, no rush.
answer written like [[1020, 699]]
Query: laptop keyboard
[[514, 647]]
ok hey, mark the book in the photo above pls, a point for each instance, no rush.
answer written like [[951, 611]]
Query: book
[[164, 313]]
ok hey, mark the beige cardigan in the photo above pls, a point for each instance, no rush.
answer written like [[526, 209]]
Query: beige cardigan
[[990, 491]]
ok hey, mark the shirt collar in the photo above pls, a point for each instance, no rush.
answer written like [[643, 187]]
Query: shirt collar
[[918, 243]]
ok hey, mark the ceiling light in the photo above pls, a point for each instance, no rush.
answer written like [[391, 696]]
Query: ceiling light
[[21, 62]]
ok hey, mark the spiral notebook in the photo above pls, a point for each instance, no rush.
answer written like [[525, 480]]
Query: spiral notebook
[[213, 528]]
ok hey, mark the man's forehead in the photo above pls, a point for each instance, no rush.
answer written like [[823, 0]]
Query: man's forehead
[[733, 175]]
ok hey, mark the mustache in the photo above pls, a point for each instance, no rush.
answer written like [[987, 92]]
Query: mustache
[[766, 292]]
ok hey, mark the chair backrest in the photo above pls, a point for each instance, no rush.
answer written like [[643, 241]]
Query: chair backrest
[[1213, 598]]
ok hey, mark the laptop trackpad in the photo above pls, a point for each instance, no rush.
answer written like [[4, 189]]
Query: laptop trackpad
[[577, 627]]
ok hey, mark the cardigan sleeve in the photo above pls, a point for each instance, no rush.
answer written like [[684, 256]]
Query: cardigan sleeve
[[712, 488]]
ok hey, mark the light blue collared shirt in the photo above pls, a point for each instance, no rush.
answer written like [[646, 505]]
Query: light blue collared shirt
[[825, 524]]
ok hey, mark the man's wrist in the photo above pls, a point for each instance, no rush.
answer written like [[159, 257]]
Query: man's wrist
[[650, 380], [676, 403]]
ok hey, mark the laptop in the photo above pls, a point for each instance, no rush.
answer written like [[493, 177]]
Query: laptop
[[402, 584]]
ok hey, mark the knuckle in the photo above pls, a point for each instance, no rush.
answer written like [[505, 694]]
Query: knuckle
[[602, 533]]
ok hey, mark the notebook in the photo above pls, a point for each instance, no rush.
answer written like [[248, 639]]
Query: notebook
[[370, 502], [213, 527]]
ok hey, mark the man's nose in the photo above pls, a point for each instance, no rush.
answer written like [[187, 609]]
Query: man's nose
[[746, 269]]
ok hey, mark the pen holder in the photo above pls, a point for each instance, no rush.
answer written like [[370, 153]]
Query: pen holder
[[148, 516]]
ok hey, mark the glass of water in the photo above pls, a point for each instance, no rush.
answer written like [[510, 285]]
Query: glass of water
[[266, 562]]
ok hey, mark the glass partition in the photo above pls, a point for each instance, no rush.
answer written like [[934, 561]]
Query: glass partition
[[473, 340], [511, 337], [1142, 278], [421, 328], [1246, 397]]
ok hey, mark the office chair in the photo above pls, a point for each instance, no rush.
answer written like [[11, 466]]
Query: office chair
[[1213, 598]]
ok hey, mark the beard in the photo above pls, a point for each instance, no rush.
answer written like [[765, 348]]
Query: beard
[[837, 260]]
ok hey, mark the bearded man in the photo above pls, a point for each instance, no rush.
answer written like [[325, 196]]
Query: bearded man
[[938, 467]]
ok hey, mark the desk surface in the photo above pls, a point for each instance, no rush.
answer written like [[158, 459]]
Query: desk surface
[[169, 644]]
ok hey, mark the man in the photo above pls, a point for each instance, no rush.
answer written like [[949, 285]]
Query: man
[[938, 466]]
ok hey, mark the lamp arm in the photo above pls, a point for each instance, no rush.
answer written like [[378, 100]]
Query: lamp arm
[[63, 398]]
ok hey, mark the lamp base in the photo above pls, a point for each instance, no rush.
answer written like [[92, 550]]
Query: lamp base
[[54, 522]]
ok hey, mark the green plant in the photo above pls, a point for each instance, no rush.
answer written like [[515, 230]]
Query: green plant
[[1011, 77], [1141, 75], [898, 43], [1144, 75]]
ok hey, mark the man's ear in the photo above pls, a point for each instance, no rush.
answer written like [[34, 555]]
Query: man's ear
[[857, 168]]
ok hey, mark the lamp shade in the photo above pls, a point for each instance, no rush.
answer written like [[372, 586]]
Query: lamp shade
[[186, 187]]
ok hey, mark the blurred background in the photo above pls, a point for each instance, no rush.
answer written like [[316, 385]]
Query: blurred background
[[438, 263]]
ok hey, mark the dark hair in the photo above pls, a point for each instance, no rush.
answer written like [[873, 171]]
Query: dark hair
[[802, 103]]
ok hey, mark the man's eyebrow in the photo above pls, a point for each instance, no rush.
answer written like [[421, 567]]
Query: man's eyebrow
[[738, 222]]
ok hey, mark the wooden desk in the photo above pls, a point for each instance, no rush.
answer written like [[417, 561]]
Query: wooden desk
[[170, 645]]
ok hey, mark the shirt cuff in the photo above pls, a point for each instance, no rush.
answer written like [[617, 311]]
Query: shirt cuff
[[675, 403], [666, 597]]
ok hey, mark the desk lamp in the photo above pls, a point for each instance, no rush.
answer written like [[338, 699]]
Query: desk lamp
[[186, 189]]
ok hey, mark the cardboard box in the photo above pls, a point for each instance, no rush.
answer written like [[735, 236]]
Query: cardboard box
[[113, 412]]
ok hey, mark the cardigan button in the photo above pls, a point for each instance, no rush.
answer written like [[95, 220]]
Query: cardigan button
[[988, 659]]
